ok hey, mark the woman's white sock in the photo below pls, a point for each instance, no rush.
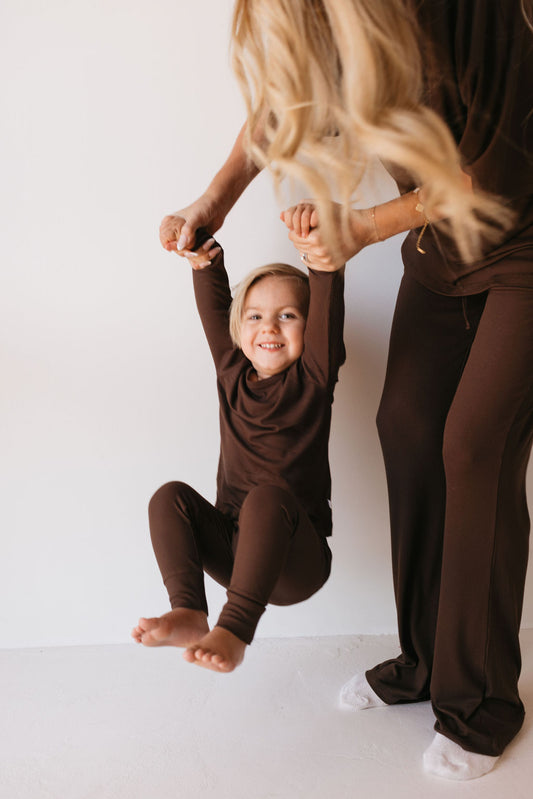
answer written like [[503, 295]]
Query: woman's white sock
[[358, 695], [445, 758]]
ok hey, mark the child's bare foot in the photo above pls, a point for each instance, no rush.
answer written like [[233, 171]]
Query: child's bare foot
[[219, 650], [179, 627]]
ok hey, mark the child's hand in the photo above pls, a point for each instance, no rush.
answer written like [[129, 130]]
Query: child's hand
[[203, 256], [301, 218], [304, 232]]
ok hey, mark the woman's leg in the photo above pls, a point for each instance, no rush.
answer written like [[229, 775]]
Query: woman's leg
[[471, 653], [487, 442], [279, 558], [430, 341], [189, 537]]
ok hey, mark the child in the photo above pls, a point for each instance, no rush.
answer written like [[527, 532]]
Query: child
[[277, 353]]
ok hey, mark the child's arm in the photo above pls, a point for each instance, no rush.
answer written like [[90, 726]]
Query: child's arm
[[324, 351], [213, 295]]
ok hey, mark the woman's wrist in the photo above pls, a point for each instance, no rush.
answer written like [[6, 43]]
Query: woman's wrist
[[376, 235], [364, 226], [397, 216]]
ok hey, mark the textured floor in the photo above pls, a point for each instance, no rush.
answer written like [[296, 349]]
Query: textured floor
[[123, 721]]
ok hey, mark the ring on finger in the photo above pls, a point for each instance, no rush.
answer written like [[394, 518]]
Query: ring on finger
[[304, 257]]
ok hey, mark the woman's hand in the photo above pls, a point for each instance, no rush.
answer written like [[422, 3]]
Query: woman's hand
[[177, 231], [304, 232]]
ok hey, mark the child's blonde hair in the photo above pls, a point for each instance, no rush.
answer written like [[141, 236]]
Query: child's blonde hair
[[282, 271], [309, 68]]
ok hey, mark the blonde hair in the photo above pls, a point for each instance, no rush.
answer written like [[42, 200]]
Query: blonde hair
[[282, 271], [308, 68], [526, 6]]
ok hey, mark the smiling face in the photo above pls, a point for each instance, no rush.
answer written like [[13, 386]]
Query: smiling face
[[272, 325]]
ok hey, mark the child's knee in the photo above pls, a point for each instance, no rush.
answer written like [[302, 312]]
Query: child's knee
[[269, 508], [170, 494], [264, 497]]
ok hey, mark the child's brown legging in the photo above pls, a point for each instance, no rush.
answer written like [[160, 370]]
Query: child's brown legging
[[456, 426], [273, 554]]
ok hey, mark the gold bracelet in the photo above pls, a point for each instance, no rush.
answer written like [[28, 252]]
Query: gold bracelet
[[373, 215], [421, 210]]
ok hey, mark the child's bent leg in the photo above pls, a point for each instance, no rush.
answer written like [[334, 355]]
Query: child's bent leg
[[188, 536], [279, 558]]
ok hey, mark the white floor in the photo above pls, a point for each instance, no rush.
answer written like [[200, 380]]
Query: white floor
[[124, 721]]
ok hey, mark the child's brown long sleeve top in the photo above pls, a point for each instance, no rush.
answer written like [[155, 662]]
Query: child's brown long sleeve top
[[275, 431]]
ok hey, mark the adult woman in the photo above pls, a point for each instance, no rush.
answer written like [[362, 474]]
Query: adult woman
[[441, 92]]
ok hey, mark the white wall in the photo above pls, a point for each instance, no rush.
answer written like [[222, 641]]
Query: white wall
[[115, 112]]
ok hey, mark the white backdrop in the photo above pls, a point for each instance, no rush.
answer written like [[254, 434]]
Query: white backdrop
[[113, 113]]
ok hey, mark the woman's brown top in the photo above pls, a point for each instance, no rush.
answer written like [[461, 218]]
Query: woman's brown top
[[479, 62]]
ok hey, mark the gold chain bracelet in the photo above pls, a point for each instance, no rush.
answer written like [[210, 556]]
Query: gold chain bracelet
[[421, 210]]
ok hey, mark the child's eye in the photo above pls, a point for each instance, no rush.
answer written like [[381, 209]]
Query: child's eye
[[287, 316], [254, 317]]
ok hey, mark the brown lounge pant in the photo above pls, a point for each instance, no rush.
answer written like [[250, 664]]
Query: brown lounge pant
[[456, 426], [271, 554]]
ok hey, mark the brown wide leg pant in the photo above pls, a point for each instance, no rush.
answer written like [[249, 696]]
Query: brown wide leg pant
[[456, 426], [273, 554]]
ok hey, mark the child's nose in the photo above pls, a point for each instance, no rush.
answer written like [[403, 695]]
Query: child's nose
[[271, 325]]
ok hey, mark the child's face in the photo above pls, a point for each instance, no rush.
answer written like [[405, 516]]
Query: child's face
[[272, 326]]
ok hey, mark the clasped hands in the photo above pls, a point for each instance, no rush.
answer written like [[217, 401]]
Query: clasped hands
[[305, 232], [177, 233]]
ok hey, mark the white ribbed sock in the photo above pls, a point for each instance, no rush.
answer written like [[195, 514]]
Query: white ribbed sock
[[445, 758], [358, 695]]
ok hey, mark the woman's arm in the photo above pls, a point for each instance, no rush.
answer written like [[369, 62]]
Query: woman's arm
[[366, 226], [177, 231]]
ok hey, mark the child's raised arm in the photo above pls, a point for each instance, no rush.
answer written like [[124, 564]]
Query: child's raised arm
[[324, 351], [213, 295]]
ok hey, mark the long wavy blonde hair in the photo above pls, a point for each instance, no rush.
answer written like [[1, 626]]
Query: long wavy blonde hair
[[351, 69], [526, 7]]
